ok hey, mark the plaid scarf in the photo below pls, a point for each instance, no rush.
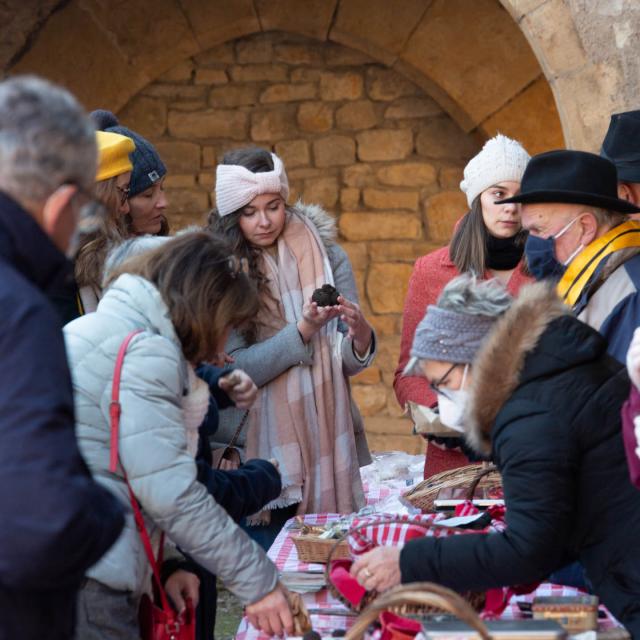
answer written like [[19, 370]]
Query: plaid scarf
[[303, 417]]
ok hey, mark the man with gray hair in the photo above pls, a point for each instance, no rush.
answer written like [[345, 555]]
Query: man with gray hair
[[55, 520], [580, 236]]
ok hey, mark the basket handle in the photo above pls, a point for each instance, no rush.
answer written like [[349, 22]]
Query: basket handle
[[344, 536], [421, 594], [476, 480]]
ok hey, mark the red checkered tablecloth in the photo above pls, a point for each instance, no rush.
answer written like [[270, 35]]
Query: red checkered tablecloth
[[284, 555]]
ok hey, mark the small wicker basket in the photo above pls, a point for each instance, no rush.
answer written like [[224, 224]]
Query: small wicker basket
[[469, 478], [315, 549]]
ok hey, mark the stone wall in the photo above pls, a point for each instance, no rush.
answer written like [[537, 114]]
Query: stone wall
[[355, 137]]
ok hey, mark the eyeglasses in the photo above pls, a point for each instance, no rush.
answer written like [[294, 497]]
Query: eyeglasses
[[124, 194], [435, 386]]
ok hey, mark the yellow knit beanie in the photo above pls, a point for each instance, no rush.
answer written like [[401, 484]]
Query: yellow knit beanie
[[113, 154]]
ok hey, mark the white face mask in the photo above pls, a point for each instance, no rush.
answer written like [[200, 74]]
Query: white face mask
[[452, 406]]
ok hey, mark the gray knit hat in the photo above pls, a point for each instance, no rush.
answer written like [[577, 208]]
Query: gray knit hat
[[453, 330], [148, 167]]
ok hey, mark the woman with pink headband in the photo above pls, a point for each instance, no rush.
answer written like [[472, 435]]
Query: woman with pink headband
[[298, 353]]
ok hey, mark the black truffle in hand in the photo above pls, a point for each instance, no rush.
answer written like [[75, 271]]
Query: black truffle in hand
[[326, 296], [312, 635]]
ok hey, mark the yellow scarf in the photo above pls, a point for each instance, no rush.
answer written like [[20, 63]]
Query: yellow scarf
[[584, 265]]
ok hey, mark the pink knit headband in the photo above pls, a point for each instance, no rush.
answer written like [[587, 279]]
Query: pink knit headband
[[236, 186]]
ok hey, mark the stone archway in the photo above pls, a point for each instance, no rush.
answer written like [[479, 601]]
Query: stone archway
[[468, 56]]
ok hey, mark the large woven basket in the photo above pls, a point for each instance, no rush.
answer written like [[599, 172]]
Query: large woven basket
[[315, 549], [418, 596], [474, 599], [469, 478]]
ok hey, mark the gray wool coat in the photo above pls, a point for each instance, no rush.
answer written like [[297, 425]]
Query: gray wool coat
[[152, 444], [266, 360]]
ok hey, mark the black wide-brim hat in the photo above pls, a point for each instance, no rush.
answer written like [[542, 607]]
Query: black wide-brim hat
[[571, 177], [621, 145]]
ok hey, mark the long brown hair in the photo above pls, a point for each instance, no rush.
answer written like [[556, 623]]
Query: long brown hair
[[199, 280], [468, 246], [256, 160], [95, 245]]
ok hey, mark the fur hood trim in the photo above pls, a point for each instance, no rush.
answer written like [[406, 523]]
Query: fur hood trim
[[498, 365], [322, 221]]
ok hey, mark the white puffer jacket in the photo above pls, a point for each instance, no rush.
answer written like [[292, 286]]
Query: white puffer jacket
[[152, 444]]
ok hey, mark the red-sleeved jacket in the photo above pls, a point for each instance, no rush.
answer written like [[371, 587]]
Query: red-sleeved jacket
[[431, 274]]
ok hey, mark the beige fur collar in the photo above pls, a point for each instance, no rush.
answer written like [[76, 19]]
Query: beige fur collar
[[323, 222], [498, 365]]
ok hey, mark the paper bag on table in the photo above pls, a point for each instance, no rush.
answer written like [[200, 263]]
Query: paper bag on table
[[427, 422]]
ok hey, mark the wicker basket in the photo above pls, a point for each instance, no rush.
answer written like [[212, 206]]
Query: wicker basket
[[315, 549], [474, 599], [470, 478]]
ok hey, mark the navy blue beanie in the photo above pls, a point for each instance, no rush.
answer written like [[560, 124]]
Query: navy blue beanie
[[148, 168]]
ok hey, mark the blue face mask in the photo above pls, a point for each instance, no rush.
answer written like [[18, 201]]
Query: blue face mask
[[541, 255]]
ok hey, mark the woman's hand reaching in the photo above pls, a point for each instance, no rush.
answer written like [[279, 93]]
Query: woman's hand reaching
[[314, 318], [360, 330]]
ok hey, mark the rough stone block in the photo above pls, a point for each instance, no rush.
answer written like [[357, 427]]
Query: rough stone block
[[315, 117], [387, 285], [521, 119], [191, 204], [222, 21], [370, 399], [349, 198], [306, 172], [189, 105], [295, 54], [146, 116], [379, 226], [182, 72], [357, 115], [305, 74], [294, 153], [269, 126], [312, 18], [408, 174], [288, 93], [223, 54], [180, 157], [398, 251], [340, 86], [259, 50], [259, 73], [177, 181], [211, 76], [234, 95], [322, 191], [387, 84], [418, 107], [482, 70], [443, 138], [450, 177], [393, 408], [371, 375], [442, 211], [357, 252], [207, 180], [386, 199], [358, 175], [385, 144], [334, 151], [175, 91], [411, 444], [386, 325], [386, 426], [208, 157], [336, 55], [388, 352], [212, 123]]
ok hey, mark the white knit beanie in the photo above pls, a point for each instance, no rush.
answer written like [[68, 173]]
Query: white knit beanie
[[501, 159]]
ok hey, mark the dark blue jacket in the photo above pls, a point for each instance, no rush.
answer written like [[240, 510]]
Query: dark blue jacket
[[55, 521]]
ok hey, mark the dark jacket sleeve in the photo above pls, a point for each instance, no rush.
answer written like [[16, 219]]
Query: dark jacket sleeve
[[211, 375], [539, 485], [56, 521], [244, 491]]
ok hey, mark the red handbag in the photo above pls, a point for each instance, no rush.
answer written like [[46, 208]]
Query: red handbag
[[156, 622]]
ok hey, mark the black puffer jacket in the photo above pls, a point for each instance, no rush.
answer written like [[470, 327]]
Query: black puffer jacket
[[545, 403]]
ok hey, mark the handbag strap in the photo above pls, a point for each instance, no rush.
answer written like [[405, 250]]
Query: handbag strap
[[238, 431], [115, 411]]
